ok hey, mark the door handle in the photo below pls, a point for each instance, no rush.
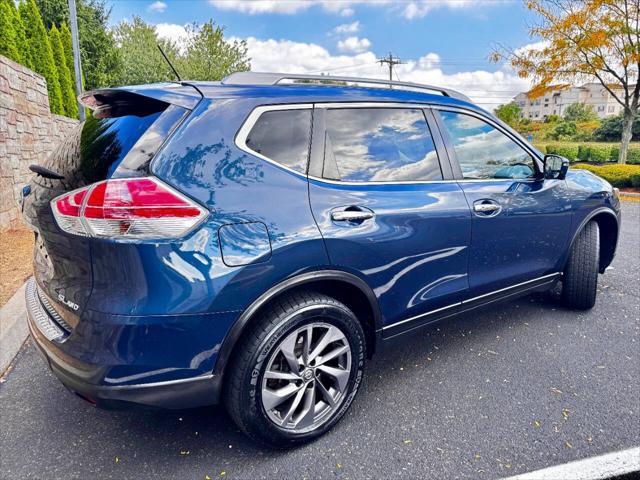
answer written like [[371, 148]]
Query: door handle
[[486, 208], [351, 215]]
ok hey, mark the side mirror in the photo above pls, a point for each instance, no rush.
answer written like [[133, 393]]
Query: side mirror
[[555, 167]]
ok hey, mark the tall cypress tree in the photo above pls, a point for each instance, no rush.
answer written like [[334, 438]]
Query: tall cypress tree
[[68, 98], [21, 39], [67, 45], [8, 46], [41, 54]]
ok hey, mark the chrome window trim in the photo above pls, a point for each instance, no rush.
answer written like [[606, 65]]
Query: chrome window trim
[[470, 300], [252, 118]]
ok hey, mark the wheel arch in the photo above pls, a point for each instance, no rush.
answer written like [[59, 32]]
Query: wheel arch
[[343, 286], [608, 225]]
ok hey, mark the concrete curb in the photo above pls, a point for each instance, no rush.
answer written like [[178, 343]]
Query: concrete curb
[[13, 328]]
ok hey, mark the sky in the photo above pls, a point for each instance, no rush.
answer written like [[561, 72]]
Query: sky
[[442, 42]]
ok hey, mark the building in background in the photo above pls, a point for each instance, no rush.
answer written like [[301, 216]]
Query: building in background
[[559, 97]]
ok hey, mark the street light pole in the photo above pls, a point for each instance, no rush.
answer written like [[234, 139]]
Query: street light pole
[[76, 54]]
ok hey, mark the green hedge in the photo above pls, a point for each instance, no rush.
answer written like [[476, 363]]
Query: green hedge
[[594, 152], [621, 176]]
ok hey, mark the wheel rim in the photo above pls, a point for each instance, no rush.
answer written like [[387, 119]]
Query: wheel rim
[[307, 377]]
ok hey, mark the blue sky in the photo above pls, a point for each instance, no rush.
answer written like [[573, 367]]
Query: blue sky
[[446, 42]]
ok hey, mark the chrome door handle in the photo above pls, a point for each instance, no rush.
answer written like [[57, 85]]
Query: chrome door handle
[[485, 207], [351, 215]]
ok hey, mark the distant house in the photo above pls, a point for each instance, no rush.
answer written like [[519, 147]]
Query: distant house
[[558, 97]]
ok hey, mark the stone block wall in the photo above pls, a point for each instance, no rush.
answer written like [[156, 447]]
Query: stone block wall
[[28, 133]]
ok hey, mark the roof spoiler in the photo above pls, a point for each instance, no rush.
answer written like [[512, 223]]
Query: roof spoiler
[[182, 94]]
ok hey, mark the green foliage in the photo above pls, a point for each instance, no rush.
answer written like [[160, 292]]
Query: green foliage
[[611, 129], [552, 119], [98, 52], [67, 46], [20, 36], [8, 38], [142, 62], [205, 54], [509, 113], [563, 131], [579, 112], [66, 86], [208, 56], [41, 53], [621, 176], [569, 151]]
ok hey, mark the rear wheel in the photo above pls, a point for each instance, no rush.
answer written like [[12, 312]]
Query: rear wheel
[[580, 279], [297, 371]]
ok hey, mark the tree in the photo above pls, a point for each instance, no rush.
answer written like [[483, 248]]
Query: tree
[[98, 51], [8, 40], [208, 56], [579, 112], [563, 131], [585, 40], [66, 86], [611, 129], [67, 45], [41, 53], [509, 113], [20, 36], [141, 60]]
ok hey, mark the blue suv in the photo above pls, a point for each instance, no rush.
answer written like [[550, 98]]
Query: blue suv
[[254, 241]]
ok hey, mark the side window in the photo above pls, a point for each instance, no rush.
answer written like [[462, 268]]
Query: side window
[[283, 136], [378, 145], [485, 152]]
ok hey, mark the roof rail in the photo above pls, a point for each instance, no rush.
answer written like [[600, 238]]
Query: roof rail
[[265, 78]]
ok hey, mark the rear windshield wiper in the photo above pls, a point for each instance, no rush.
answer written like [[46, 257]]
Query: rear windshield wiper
[[45, 172]]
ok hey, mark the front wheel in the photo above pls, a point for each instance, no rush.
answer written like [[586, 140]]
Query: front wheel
[[580, 282], [297, 370]]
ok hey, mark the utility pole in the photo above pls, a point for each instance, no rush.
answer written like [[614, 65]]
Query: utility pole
[[391, 61], [76, 54]]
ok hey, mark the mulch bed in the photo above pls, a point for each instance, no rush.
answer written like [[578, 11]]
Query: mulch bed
[[16, 251]]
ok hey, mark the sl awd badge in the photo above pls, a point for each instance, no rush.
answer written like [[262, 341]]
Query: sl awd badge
[[68, 303]]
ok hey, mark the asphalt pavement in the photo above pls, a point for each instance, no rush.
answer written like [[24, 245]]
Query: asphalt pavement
[[515, 388]]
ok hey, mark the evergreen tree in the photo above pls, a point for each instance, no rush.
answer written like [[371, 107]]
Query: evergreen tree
[[8, 46], [66, 87], [21, 39], [41, 53], [67, 45]]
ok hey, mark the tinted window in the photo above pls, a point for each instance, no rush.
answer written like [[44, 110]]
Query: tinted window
[[283, 136], [484, 151], [112, 139], [379, 144]]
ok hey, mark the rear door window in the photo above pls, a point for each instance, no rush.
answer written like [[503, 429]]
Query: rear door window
[[379, 145], [283, 136]]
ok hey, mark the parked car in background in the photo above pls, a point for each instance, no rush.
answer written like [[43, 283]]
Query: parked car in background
[[254, 242]]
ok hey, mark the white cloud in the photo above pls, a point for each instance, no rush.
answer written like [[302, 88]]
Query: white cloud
[[171, 31], [157, 6], [352, 27], [354, 45], [344, 8], [487, 88]]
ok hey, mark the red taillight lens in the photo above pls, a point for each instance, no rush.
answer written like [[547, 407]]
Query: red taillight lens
[[127, 208]]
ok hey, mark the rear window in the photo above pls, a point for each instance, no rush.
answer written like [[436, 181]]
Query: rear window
[[283, 136], [124, 139]]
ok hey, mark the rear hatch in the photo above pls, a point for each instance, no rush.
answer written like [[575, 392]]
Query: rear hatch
[[118, 139]]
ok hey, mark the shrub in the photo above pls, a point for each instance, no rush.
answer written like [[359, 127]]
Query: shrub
[[621, 176], [567, 150], [599, 153], [633, 155]]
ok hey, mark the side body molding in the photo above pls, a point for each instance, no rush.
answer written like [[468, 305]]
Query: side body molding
[[238, 327]]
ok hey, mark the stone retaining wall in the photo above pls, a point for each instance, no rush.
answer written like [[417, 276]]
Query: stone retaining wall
[[28, 133]]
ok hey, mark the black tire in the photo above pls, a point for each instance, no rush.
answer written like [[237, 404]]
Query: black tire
[[242, 393], [580, 280]]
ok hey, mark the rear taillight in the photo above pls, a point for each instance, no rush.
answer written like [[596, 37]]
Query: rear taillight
[[127, 208]]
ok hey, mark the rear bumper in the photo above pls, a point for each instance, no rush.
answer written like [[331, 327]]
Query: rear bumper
[[84, 379]]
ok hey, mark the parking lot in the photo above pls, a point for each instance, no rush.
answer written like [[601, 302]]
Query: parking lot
[[515, 388]]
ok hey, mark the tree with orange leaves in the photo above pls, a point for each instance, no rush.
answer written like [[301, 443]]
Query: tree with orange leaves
[[581, 41]]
